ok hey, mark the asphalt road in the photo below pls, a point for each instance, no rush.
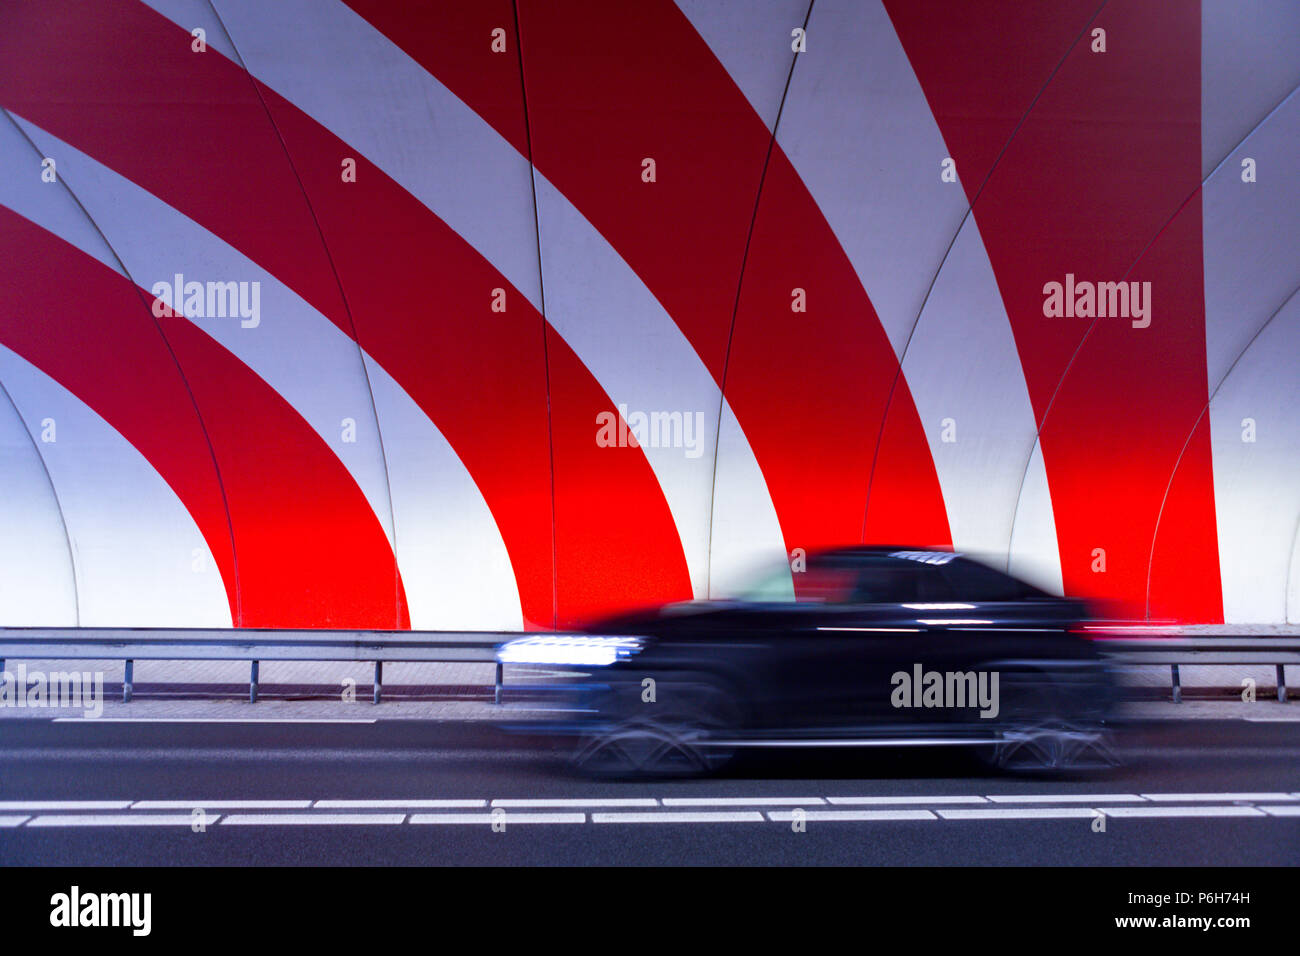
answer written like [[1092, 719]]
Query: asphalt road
[[1196, 792]]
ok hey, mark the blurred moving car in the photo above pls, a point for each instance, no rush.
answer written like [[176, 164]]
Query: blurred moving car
[[876, 647]]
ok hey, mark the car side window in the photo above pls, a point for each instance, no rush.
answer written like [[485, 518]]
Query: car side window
[[972, 581], [933, 586], [824, 584], [898, 582]]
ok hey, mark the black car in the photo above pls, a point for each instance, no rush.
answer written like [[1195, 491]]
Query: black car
[[876, 647]]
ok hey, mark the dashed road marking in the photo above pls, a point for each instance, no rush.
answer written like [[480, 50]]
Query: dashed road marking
[[1228, 811], [640, 810], [1018, 813], [214, 720], [681, 816], [579, 802], [741, 801], [221, 804], [1204, 797], [1068, 798], [509, 819], [845, 816], [398, 804], [117, 820], [313, 819], [64, 804], [872, 801]]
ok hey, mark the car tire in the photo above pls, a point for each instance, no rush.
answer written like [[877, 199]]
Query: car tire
[[1040, 734], [682, 732]]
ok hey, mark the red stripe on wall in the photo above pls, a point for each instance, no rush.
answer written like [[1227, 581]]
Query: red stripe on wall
[[613, 541], [310, 551], [464, 33], [493, 390], [611, 85], [817, 385], [418, 295], [482, 376], [1107, 156]]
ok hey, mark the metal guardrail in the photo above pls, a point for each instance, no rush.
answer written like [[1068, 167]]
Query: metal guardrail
[[379, 647], [252, 645], [1191, 651]]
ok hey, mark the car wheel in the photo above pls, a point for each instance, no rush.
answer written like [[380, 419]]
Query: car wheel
[[1040, 736], [1053, 746], [682, 732]]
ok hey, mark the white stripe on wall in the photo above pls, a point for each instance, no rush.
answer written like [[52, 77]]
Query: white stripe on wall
[[449, 550], [1251, 232], [450, 159], [858, 129], [140, 558]]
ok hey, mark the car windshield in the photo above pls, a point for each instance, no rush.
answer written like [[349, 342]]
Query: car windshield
[[818, 584], [826, 582], [899, 578], [772, 586]]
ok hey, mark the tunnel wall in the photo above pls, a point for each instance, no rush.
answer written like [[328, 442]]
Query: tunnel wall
[[499, 315]]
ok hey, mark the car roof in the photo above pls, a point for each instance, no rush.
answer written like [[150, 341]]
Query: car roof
[[887, 550]]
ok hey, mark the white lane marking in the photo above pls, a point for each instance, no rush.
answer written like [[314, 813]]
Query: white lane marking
[[215, 720], [1272, 720], [310, 819], [119, 820], [1202, 797], [132, 818], [1065, 798], [580, 802], [815, 816], [390, 804], [670, 816], [1154, 804], [868, 801], [64, 804], [221, 804], [740, 801], [1018, 813], [509, 819], [1181, 812]]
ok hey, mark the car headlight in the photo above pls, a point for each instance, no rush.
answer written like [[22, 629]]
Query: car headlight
[[579, 650]]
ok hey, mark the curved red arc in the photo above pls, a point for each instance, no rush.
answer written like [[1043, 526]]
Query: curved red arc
[[811, 403], [1101, 167], [490, 402], [311, 552]]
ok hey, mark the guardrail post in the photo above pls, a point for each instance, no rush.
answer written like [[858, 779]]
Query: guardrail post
[[1281, 683], [252, 682], [1178, 688], [496, 691], [128, 681], [379, 679]]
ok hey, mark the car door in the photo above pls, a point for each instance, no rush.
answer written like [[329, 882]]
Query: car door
[[898, 619], [845, 649]]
